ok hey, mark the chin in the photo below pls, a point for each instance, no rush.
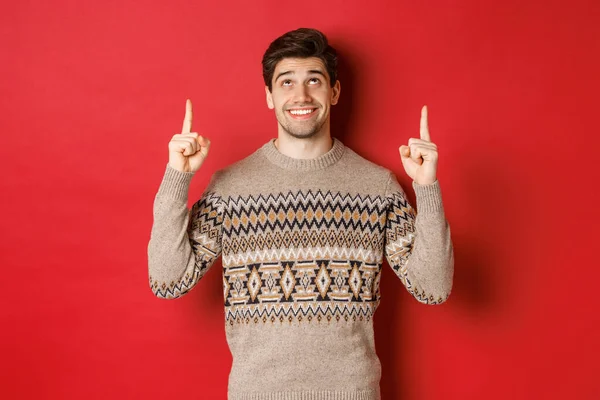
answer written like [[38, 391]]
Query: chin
[[301, 135]]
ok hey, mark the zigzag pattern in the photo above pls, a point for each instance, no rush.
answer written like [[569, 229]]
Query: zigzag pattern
[[374, 255], [420, 295], [206, 219], [205, 234], [304, 211], [299, 256], [298, 311], [401, 235], [177, 289], [295, 241], [399, 211]]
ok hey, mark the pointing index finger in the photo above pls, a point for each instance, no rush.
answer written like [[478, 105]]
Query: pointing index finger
[[187, 120], [424, 125]]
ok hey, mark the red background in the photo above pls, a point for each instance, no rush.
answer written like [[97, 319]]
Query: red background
[[92, 93]]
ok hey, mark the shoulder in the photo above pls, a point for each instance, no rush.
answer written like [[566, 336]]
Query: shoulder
[[360, 161], [230, 175], [368, 171]]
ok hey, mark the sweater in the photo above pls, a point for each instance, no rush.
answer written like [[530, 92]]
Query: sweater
[[302, 244]]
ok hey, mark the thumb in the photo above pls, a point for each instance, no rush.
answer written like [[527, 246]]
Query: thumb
[[202, 141], [404, 151], [204, 145]]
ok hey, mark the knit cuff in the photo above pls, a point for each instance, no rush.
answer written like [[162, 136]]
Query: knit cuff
[[175, 184], [429, 197]]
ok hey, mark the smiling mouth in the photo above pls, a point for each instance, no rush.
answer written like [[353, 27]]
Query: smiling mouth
[[300, 113]]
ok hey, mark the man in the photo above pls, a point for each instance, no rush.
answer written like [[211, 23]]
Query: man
[[302, 225]]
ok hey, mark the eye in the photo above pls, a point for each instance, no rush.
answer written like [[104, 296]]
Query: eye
[[286, 82], [317, 80]]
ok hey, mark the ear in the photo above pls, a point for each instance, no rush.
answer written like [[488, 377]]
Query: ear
[[269, 98], [336, 93]]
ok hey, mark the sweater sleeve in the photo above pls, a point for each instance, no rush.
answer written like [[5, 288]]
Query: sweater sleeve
[[418, 247], [183, 243]]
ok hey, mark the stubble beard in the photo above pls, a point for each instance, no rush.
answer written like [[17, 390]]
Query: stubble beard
[[303, 132]]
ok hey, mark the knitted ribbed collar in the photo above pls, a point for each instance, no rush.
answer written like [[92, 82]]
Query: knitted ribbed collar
[[323, 161]]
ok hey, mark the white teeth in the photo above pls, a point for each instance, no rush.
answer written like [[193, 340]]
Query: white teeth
[[301, 112]]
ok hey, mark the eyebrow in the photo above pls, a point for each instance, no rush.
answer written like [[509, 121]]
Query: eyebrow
[[312, 71]]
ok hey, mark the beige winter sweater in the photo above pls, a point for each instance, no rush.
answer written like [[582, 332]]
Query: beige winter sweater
[[302, 245]]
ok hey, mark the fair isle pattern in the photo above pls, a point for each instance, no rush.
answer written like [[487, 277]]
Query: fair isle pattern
[[400, 239], [204, 230], [304, 256], [279, 254], [303, 243], [303, 226], [301, 291]]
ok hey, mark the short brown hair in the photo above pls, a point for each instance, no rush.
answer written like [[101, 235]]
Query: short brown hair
[[300, 43]]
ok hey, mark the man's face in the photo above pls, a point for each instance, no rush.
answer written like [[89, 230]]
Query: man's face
[[302, 96]]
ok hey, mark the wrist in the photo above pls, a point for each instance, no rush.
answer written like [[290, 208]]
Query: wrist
[[425, 182]]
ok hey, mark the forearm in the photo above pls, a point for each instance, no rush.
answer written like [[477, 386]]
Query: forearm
[[171, 260], [430, 265]]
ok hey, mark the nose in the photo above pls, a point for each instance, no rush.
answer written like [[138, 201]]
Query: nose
[[302, 95]]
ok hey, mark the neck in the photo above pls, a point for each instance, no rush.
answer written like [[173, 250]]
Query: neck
[[304, 148], [327, 159]]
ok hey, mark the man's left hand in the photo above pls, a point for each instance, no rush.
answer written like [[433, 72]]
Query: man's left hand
[[420, 157]]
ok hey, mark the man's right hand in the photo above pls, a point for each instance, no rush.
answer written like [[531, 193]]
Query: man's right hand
[[188, 150]]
